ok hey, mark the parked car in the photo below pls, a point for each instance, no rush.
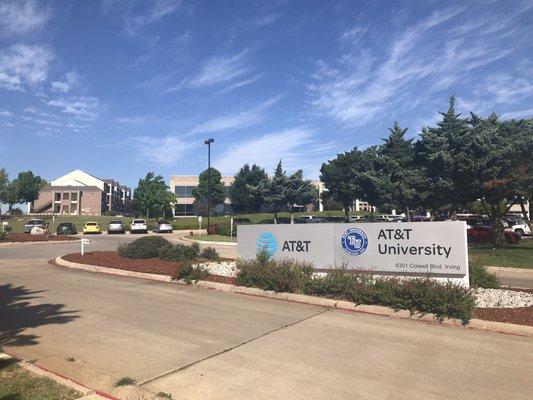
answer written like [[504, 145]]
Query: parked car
[[91, 227], [32, 223], [138, 226], [66, 228], [116, 226], [519, 226], [163, 226], [335, 219], [483, 234]]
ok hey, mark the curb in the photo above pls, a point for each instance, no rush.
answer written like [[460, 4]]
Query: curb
[[488, 326], [87, 393], [526, 271], [231, 244], [41, 242]]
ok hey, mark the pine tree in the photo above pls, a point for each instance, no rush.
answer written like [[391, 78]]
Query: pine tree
[[210, 186], [244, 192], [300, 191], [275, 190]]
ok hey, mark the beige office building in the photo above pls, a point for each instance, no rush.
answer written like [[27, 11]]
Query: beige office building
[[183, 185]]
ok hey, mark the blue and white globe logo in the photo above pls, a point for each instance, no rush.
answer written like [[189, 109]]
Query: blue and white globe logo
[[267, 241], [354, 241]]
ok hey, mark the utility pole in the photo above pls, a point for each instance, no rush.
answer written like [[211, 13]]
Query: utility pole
[[208, 143]]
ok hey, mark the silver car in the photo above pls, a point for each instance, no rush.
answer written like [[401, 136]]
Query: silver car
[[163, 226], [32, 223], [116, 226], [138, 226]]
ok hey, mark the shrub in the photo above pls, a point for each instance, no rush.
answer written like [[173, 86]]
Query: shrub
[[480, 277], [224, 228], [279, 276], [145, 247], [179, 252], [210, 253], [191, 273], [421, 295]]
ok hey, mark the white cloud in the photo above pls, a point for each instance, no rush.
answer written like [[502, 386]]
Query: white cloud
[[236, 121], [22, 65], [69, 81], [239, 84], [136, 120], [518, 114], [218, 70], [264, 20], [20, 17], [159, 10], [5, 113], [162, 150], [79, 106], [288, 145], [428, 56], [353, 35]]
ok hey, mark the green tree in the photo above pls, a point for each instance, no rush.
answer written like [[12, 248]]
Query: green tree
[[396, 167], [245, 191], [275, 190], [29, 186], [300, 191], [152, 197], [4, 181], [12, 194], [449, 162], [350, 176], [210, 185], [503, 150]]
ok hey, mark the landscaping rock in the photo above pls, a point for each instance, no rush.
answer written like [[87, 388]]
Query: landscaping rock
[[500, 298], [224, 268]]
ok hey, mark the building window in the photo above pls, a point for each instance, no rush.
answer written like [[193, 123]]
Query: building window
[[57, 196], [183, 210], [184, 191], [74, 197]]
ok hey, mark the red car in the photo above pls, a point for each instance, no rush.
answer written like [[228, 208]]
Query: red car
[[483, 234]]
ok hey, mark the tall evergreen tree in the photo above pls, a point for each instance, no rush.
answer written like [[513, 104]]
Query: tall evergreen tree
[[276, 189], [448, 161], [396, 167], [300, 191], [245, 191]]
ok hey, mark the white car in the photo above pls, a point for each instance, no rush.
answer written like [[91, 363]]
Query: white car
[[519, 226], [138, 226]]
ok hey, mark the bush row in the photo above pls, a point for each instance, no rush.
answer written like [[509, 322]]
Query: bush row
[[159, 247], [421, 295]]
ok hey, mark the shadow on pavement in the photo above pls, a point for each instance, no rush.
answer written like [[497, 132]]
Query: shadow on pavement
[[17, 314]]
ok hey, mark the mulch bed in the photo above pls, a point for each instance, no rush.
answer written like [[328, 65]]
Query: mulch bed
[[28, 237], [111, 259], [520, 316]]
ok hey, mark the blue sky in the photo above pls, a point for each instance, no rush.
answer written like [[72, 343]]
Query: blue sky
[[119, 88]]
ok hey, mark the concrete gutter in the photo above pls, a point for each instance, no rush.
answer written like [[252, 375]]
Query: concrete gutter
[[41, 242], [207, 242], [489, 326], [525, 271], [87, 393]]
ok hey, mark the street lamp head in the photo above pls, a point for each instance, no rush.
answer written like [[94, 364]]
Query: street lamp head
[[209, 141]]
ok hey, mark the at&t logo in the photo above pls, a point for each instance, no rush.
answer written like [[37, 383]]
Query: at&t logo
[[267, 241]]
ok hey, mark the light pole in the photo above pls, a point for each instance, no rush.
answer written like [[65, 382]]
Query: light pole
[[208, 143]]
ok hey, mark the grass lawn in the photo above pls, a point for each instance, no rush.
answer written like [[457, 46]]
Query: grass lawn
[[20, 384], [515, 256], [213, 238]]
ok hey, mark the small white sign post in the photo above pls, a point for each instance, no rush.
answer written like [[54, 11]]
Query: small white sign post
[[200, 224], [231, 230], [4, 224], [83, 243]]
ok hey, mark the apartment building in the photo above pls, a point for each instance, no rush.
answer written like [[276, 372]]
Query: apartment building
[[80, 193]]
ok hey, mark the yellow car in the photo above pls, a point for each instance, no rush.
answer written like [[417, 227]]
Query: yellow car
[[91, 227]]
